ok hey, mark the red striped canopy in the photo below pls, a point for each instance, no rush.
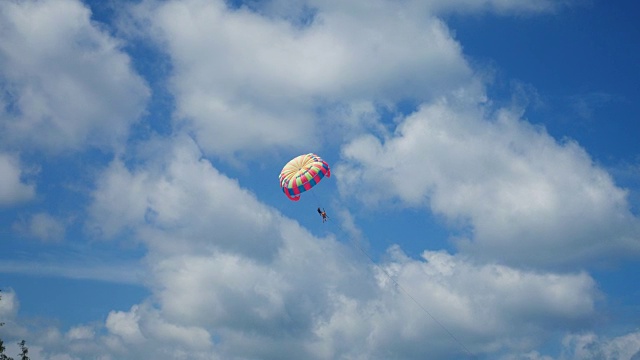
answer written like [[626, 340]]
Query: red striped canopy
[[301, 174]]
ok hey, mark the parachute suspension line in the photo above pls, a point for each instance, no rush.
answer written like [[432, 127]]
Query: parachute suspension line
[[397, 284], [316, 197]]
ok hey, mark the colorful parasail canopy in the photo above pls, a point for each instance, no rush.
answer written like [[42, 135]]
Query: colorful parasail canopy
[[301, 174]]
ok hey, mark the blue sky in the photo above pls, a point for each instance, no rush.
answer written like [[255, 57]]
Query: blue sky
[[483, 156]]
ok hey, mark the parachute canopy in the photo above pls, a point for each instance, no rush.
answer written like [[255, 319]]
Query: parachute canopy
[[301, 174]]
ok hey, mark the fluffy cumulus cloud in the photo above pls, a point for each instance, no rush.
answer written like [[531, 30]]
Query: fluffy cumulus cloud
[[527, 198], [12, 188], [64, 82], [423, 303], [167, 201], [244, 81], [232, 278], [288, 309]]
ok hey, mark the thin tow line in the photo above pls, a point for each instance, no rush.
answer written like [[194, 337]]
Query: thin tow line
[[453, 337]]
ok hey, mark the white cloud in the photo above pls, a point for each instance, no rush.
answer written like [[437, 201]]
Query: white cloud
[[125, 325], [77, 266], [246, 82], [8, 304], [12, 188], [11, 328], [585, 105], [503, 7], [42, 226], [64, 82], [173, 209], [527, 198], [287, 309], [485, 307], [302, 296], [82, 332], [591, 346], [532, 355]]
